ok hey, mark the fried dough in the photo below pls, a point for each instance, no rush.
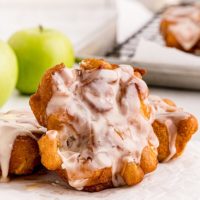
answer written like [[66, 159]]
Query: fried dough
[[174, 128], [62, 121], [19, 152], [103, 127]]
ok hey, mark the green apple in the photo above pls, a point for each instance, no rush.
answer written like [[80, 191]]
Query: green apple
[[8, 71], [37, 50]]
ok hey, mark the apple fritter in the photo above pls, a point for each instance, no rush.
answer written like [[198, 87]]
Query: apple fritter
[[173, 126], [19, 152], [99, 125], [104, 130], [180, 27]]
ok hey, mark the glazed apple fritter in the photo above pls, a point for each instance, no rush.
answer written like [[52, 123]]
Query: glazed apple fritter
[[98, 120], [104, 130], [19, 152]]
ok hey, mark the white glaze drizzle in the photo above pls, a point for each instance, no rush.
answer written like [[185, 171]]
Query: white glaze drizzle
[[170, 116], [14, 124], [107, 127], [185, 24], [186, 32]]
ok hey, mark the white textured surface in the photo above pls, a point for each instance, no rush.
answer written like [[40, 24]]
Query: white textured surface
[[178, 179]]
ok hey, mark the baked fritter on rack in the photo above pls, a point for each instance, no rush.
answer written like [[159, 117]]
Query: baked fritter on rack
[[180, 27]]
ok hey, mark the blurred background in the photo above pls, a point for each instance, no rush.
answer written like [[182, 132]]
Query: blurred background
[[84, 21]]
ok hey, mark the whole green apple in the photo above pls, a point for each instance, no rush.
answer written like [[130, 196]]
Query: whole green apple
[[37, 50], [8, 71]]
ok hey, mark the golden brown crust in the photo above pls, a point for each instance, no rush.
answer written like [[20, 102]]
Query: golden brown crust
[[169, 102], [40, 99], [162, 134], [48, 150], [93, 63], [139, 72], [132, 173], [185, 129], [98, 187], [149, 159], [25, 156], [97, 180], [168, 36]]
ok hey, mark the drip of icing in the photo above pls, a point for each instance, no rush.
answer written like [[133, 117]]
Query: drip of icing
[[78, 184], [52, 134], [171, 121], [172, 131], [106, 126], [160, 106], [170, 116], [12, 125]]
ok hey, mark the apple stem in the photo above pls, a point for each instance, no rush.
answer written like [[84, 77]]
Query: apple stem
[[41, 28]]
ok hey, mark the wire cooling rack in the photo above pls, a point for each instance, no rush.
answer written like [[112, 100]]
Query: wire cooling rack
[[150, 31]]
